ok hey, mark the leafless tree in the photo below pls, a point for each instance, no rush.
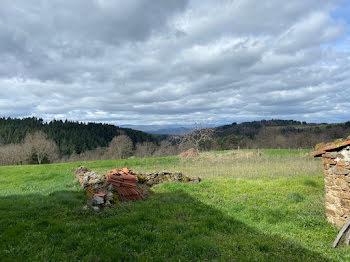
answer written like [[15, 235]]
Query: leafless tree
[[145, 149], [98, 153], [37, 146], [166, 149], [12, 154], [120, 147], [196, 137]]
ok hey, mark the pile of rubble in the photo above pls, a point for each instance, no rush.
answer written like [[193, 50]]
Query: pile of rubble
[[122, 184], [125, 184], [189, 153]]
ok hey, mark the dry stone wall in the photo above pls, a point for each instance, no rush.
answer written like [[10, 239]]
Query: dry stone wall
[[336, 163], [154, 178], [337, 185], [96, 186], [122, 184]]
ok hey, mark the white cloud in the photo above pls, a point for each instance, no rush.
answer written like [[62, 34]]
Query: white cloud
[[141, 62]]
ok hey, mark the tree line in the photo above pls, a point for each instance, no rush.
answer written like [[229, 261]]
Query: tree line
[[38, 148], [282, 134], [70, 137], [31, 141]]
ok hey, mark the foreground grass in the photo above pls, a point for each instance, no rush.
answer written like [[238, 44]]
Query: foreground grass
[[247, 208]]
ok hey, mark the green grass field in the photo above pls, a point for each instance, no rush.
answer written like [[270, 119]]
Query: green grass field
[[247, 208]]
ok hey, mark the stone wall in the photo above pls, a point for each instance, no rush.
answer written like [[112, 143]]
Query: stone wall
[[154, 178], [100, 192], [336, 164], [122, 184]]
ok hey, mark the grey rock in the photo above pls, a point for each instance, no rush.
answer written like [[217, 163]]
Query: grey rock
[[98, 200], [340, 171], [109, 197], [110, 194], [195, 180]]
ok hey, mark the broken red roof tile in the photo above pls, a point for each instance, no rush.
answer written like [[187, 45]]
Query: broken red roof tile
[[113, 172], [129, 177], [133, 191], [100, 194], [317, 153], [121, 191], [125, 182], [129, 184], [114, 182], [329, 148], [116, 178], [337, 146]]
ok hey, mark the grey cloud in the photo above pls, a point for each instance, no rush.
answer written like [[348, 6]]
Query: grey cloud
[[144, 62]]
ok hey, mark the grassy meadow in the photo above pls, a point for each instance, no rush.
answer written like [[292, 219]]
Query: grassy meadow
[[247, 208]]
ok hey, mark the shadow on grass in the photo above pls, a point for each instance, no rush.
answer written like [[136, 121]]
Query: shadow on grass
[[167, 227]]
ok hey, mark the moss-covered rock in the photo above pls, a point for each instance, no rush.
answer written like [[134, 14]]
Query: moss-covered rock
[[320, 146]]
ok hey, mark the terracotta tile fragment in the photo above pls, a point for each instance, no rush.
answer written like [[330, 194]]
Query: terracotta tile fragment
[[329, 148], [129, 177]]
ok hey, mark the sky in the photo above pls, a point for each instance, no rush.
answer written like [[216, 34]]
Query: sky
[[148, 62]]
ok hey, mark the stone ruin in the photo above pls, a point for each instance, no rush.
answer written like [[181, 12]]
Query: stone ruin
[[189, 153], [122, 184], [336, 164]]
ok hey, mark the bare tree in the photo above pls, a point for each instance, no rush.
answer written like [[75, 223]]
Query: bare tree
[[166, 149], [12, 154], [120, 147], [98, 153], [38, 147], [196, 137], [145, 149]]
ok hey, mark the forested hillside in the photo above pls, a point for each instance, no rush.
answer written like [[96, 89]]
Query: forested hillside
[[250, 129], [33, 141], [277, 134], [71, 137]]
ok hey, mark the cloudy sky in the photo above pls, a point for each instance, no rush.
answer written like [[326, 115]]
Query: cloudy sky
[[175, 61]]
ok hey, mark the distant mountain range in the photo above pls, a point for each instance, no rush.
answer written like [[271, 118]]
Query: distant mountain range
[[166, 129]]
